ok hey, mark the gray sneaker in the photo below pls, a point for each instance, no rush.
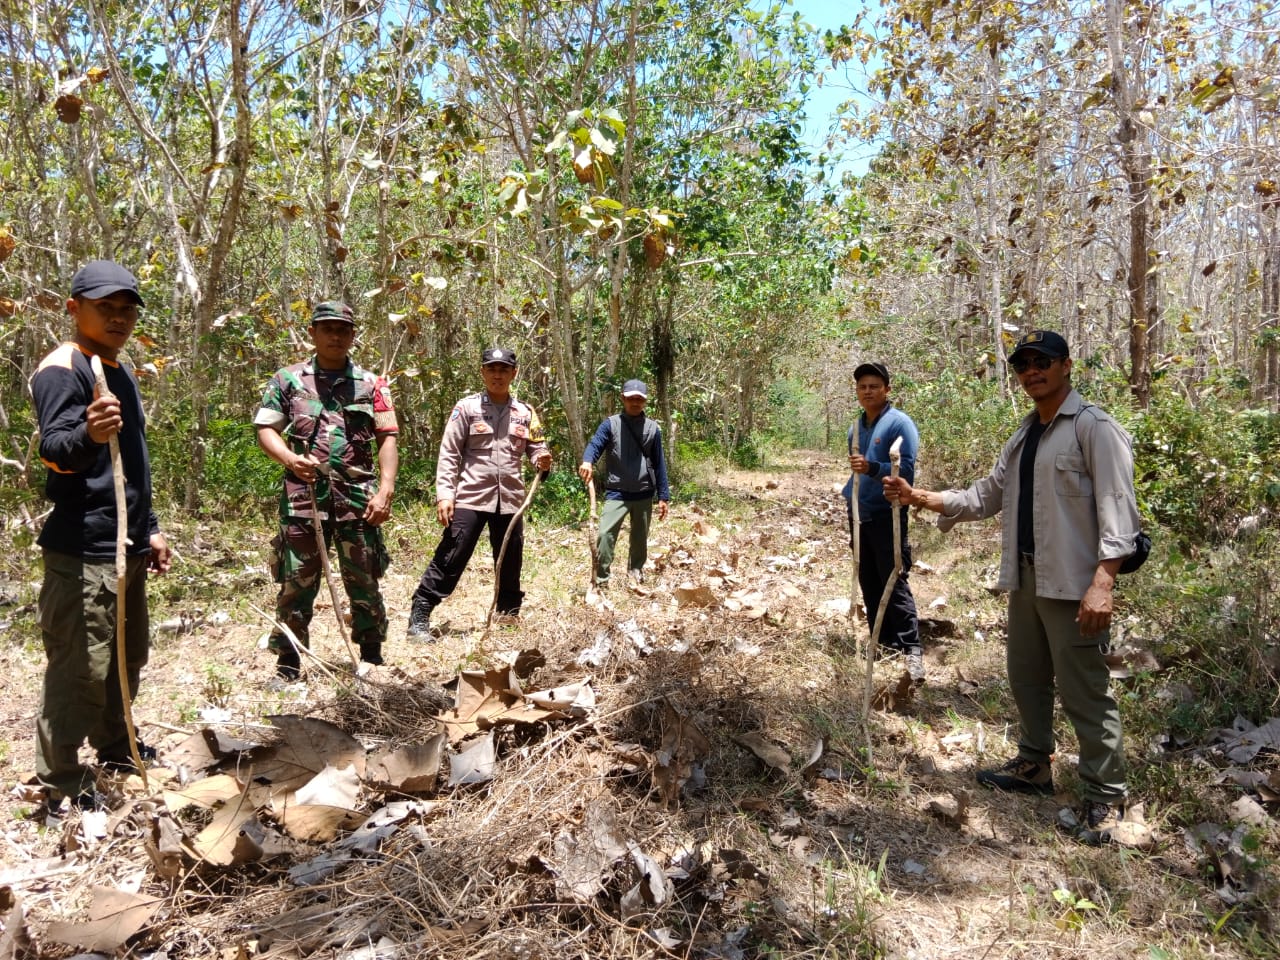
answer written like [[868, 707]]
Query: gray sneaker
[[915, 667], [1020, 776]]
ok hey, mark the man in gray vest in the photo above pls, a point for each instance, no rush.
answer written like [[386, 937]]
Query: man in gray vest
[[635, 474]]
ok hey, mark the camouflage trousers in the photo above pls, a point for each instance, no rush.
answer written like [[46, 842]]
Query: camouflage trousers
[[295, 565]]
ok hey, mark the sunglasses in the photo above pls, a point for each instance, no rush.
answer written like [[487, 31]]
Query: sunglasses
[[1039, 361]]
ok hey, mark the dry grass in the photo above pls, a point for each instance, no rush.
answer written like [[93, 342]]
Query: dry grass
[[764, 863]]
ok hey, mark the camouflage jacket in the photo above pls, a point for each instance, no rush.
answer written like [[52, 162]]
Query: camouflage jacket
[[334, 416], [481, 450]]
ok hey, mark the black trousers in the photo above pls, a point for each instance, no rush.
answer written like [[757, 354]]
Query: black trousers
[[455, 549], [901, 630]]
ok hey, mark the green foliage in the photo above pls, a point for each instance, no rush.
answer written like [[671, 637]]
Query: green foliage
[[1202, 469], [561, 499], [963, 422]]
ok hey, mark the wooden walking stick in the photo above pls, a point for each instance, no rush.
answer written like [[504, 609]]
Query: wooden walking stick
[[328, 578], [502, 551], [122, 540], [593, 537], [895, 461], [857, 563]]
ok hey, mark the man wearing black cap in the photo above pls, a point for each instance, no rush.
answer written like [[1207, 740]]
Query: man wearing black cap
[[78, 603], [1064, 483], [479, 484], [635, 474], [321, 420], [869, 441]]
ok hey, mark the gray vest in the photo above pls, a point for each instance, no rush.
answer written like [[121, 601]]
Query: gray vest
[[629, 464]]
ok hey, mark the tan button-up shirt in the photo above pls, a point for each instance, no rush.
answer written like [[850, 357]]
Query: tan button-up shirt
[[1084, 508], [480, 453]]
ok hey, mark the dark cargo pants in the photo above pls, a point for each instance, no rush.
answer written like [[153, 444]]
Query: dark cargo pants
[[455, 549], [901, 630], [1046, 650], [81, 697]]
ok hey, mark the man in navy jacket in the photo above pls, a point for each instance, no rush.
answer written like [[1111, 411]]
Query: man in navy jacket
[[870, 438]]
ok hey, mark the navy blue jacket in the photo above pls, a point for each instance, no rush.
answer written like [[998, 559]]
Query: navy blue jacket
[[874, 441]]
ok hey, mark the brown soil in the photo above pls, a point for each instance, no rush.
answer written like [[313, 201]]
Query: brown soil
[[849, 858]]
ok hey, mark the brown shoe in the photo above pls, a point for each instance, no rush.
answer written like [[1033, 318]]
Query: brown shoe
[[1020, 776], [1097, 820]]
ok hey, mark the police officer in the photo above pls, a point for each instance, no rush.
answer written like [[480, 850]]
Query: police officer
[[321, 420], [478, 484]]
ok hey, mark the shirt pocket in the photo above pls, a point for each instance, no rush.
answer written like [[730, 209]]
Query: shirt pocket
[[519, 436], [1070, 478], [358, 420], [479, 435]]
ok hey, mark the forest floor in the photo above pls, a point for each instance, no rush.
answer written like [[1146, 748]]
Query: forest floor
[[679, 771]]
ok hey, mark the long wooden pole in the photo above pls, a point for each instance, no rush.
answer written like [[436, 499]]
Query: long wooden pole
[[895, 461], [122, 568], [593, 537], [328, 579], [502, 551]]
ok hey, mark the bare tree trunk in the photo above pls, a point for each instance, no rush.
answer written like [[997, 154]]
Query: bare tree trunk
[[1136, 167]]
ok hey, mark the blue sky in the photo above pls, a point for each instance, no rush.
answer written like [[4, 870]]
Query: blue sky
[[823, 100]]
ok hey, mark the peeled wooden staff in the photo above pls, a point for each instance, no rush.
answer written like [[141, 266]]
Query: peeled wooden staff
[[122, 540], [593, 537], [502, 551], [895, 461], [328, 578], [857, 562]]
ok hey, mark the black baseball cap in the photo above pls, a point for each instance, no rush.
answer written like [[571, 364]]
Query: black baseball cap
[[101, 278], [1051, 344], [333, 310], [871, 369], [499, 355]]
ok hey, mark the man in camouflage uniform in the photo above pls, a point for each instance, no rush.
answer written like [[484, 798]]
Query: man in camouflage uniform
[[319, 420], [478, 484]]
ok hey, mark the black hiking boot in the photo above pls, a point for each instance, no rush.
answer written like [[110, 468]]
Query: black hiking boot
[[420, 622], [120, 760], [371, 652]]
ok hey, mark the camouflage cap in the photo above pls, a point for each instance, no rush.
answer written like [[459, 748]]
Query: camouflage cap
[[333, 310]]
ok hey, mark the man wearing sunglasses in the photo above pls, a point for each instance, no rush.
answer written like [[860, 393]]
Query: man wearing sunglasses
[[1064, 482]]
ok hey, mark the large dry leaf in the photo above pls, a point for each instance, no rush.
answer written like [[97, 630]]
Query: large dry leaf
[[114, 917], [652, 891], [480, 697], [573, 700], [683, 748], [225, 840], [1242, 743], [584, 855], [769, 752], [331, 787], [414, 768], [165, 846], [315, 823], [207, 793], [308, 746], [475, 764]]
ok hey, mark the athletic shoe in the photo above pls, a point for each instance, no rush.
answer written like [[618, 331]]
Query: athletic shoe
[[1020, 776]]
